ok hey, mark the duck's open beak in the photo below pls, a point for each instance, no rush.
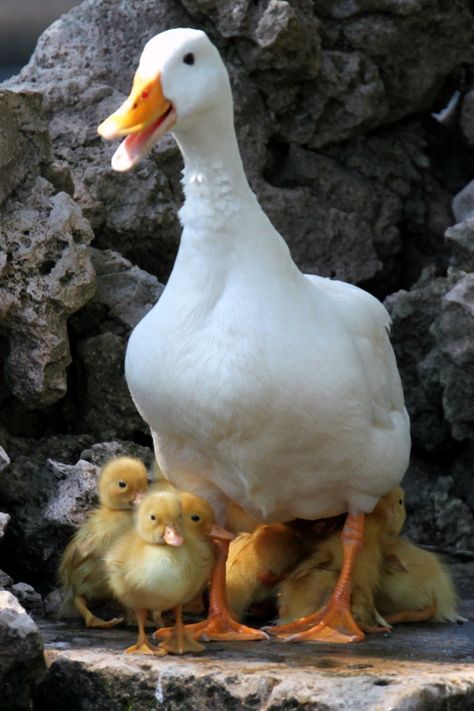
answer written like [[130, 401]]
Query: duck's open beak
[[143, 118]]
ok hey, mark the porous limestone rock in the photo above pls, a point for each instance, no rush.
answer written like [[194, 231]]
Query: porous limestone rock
[[303, 75], [48, 490], [22, 664], [45, 265]]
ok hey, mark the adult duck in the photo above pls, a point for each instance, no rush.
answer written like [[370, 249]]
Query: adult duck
[[262, 386]]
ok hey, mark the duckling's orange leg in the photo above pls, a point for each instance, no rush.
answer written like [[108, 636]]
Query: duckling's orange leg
[[220, 625], [142, 645], [90, 619], [334, 622], [412, 615], [180, 641]]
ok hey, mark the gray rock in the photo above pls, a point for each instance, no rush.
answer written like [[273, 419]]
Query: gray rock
[[28, 598], [5, 581], [413, 313], [74, 495], [416, 667], [463, 203], [46, 269], [4, 459], [104, 405], [460, 238], [453, 331], [22, 664], [4, 520], [437, 516], [302, 75], [467, 117], [49, 489]]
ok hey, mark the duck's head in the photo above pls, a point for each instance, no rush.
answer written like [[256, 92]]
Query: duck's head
[[391, 511], [159, 519], [180, 78], [122, 482], [199, 519]]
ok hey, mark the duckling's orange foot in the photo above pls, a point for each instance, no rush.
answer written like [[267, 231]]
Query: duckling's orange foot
[[94, 621], [222, 627], [180, 643], [146, 648], [336, 625]]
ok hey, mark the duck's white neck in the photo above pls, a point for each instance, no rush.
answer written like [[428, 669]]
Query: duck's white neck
[[213, 178]]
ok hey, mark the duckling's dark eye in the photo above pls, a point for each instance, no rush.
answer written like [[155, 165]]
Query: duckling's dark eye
[[188, 58], [122, 484], [401, 502], [195, 517], [152, 517]]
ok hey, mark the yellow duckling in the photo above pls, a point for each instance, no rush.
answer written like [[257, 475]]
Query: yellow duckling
[[310, 584], [81, 571], [257, 562], [415, 585], [163, 563]]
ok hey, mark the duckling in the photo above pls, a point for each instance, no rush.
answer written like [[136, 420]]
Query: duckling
[[164, 562], [257, 562], [81, 570], [310, 584], [199, 531], [414, 585]]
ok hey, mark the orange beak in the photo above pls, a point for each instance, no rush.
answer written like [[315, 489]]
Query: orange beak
[[143, 118], [220, 533]]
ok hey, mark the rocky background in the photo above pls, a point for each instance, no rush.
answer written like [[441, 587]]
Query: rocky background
[[356, 123]]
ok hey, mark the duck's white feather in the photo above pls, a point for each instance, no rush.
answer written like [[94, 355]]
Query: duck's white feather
[[262, 385]]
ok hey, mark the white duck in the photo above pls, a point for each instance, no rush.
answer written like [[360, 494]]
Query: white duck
[[261, 385]]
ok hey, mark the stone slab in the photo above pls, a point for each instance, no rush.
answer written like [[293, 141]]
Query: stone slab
[[415, 668]]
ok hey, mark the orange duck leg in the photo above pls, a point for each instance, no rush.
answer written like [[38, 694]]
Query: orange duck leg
[[220, 625], [334, 622]]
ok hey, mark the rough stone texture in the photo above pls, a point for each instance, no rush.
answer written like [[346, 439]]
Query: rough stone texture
[[467, 117], [417, 667], [460, 238], [463, 203], [303, 75], [4, 519], [48, 489], [22, 663], [28, 598], [331, 102], [45, 266]]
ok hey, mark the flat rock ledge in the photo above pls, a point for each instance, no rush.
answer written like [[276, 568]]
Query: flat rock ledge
[[416, 667]]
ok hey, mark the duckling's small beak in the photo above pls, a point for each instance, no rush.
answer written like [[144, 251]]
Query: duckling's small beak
[[137, 498], [143, 118], [172, 537], [221, 533]]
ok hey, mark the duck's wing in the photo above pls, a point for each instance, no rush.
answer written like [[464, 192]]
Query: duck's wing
[[367, 323]]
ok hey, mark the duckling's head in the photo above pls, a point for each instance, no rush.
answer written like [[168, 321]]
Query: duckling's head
[[391, 510], [180, 78], [198, 518], [121, 482], [159, 519]]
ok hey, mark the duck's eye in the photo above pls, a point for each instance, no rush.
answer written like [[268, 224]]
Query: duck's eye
[[188, 58], [152, 517], [195, 517], [401, 502], [122, 484]]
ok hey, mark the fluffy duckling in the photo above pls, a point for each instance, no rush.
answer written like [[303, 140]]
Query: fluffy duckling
[[257, 562], [81, 571], [312, 581], [414, 585], [163, 563]]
